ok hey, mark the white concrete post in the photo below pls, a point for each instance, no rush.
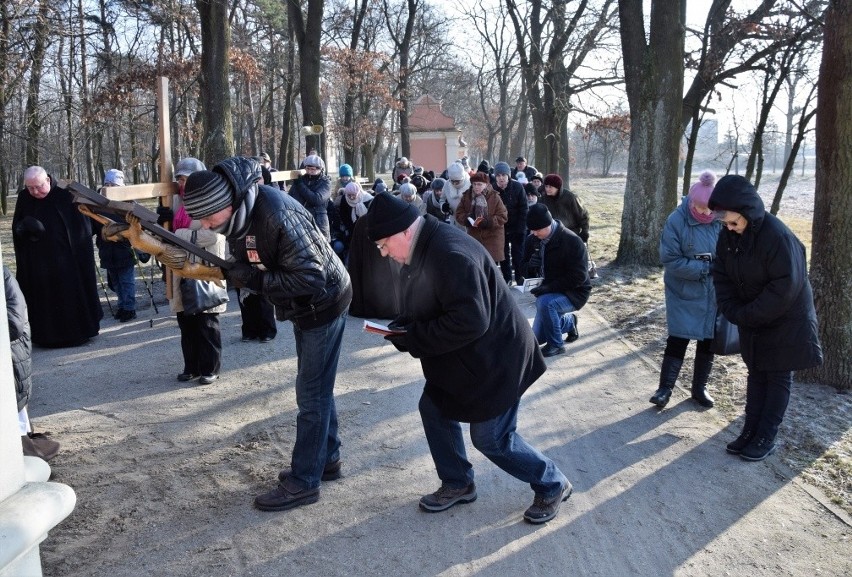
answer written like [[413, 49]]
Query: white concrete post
[[27, 510]]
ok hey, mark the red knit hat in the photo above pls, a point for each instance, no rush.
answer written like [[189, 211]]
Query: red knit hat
[[553, 180]]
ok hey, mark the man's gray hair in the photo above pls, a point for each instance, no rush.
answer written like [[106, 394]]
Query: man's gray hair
[[34, 172]]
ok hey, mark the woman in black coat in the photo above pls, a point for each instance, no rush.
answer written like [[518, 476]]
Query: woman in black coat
[[761, 280]]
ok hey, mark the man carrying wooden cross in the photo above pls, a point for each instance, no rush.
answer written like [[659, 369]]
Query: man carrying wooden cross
[[280, 253]]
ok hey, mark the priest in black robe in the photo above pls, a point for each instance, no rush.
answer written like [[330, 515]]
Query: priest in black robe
[[55, 263]]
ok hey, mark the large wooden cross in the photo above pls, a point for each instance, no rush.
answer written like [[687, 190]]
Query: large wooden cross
[[166, 188]]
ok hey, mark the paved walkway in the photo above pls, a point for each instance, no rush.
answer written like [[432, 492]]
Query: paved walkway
[[165, 474]]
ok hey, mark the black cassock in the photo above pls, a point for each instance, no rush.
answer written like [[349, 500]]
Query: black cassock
[[55, 265]]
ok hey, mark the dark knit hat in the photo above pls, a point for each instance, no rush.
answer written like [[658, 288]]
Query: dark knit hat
[[479, 177], [389, 215], [538, 217], [438, 184], [502, 168], [553, 180], [206, 193], [484, 166]]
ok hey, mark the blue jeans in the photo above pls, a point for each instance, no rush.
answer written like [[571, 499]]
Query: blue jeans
[[317, 443], [497, 439], [124, 284], [552, 318]]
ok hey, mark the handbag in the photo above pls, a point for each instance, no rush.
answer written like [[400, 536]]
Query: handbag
[[726, 337], [200, 295]]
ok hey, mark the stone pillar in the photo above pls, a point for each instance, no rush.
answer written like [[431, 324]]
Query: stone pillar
[[28, 510]]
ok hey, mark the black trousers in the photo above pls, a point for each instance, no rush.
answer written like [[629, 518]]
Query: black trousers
[[514, 249], [201, 343], [676, 346], [258, 316]]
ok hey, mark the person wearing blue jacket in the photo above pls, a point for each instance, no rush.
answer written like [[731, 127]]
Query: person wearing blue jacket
[[313, 191], [687, 250]]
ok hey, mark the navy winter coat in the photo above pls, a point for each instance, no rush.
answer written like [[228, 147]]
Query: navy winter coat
[[762, 285], [690, 296]]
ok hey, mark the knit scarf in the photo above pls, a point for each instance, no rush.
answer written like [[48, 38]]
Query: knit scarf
[[360, 209]]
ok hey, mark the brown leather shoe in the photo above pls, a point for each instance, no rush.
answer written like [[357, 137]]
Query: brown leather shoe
[[38, 445]]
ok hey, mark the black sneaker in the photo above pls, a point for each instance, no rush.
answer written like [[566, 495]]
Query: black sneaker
[[758, 449], [207, 379], [126, 316], [544, 509], [574, 334], [736, 446], [446, 497], [286, 496], [184, 377], [331, 472], [551, 351]]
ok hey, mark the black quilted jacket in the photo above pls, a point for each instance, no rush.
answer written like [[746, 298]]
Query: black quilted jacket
[[301, 275]]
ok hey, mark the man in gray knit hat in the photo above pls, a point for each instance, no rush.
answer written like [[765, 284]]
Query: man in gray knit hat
[[281, 254]]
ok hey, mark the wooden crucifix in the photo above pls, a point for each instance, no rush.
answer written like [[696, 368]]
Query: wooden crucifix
[[119, 201]]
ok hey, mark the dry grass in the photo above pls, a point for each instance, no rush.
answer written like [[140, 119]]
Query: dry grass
[[815, 439]]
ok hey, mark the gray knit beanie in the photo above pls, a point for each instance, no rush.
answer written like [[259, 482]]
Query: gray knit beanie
[[206, 193], [188, 165]]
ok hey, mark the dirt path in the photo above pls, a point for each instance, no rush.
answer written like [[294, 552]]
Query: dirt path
[[165, 473]]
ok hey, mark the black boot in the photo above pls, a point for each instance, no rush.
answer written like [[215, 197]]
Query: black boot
[[736, 446], [668, 375], [700, 374], [761, 446]]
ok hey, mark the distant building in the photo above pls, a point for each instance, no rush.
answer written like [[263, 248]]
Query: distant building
[[435, 141]]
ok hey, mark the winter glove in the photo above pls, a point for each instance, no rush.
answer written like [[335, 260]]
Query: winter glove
[[399, 341], [164, 215], [535, 260], [536, 291], [446, 209], [243, 275], [30, 228]]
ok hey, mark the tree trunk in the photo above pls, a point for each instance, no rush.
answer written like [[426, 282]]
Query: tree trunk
[[218, 131], [654, 81], [831, 259], [286, 157], [33, 118], [404, 80], [308, 30]]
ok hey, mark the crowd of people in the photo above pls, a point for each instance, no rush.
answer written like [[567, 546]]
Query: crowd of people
[[424, 252]]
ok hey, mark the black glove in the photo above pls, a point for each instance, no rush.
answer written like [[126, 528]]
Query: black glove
[[165, 214], [243, 275], [446, 209], [143, 257], [399, 324], [536, 291], [399, 341], [30, 228], [535, 260]]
